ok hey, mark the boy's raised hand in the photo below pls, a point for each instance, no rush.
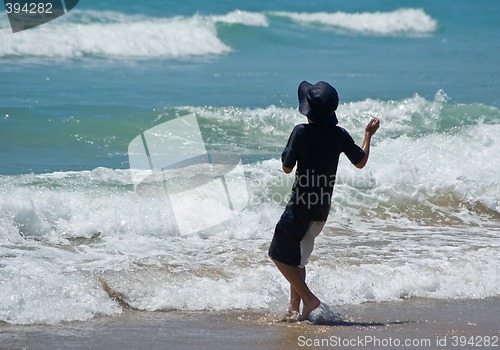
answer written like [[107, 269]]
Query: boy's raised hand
[[372, 126]]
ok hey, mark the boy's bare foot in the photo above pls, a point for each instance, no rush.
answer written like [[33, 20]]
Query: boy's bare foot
[[308, 308]]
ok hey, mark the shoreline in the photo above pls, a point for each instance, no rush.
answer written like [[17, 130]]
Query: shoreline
[[412, 324]]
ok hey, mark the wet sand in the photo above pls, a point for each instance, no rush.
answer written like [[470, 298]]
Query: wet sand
[[408, 324]]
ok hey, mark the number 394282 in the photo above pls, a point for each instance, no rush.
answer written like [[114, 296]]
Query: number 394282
[[28, 8]]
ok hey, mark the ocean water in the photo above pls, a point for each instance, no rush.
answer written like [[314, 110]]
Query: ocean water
[[421, 220]]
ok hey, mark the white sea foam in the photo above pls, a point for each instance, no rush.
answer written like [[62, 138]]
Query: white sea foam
[[243, 17], [422, 220], [39, 288], [116, 35], [399, 22]]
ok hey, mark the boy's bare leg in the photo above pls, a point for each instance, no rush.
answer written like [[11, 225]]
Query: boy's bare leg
[[295, 297], [294, 275]]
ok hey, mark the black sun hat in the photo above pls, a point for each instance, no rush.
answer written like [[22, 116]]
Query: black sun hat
[[318, 102]]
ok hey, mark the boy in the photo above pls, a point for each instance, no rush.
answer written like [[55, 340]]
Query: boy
[[315, 148]]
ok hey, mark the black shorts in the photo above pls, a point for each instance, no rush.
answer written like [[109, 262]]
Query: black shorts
[[289, 233], [284, 248]]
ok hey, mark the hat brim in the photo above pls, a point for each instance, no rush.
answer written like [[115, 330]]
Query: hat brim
[[305, 108]]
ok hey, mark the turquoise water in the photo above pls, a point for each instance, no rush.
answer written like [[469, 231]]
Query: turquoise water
[[112, 67], [422, 219]]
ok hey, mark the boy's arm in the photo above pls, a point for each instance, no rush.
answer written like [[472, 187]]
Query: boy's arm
[[289, 157], [370, 130]]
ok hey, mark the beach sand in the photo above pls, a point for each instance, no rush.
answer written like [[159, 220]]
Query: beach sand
[[410, 324]]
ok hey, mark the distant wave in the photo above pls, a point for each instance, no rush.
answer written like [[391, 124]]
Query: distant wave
[[401, 21], [114, 34], [111, 34]]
